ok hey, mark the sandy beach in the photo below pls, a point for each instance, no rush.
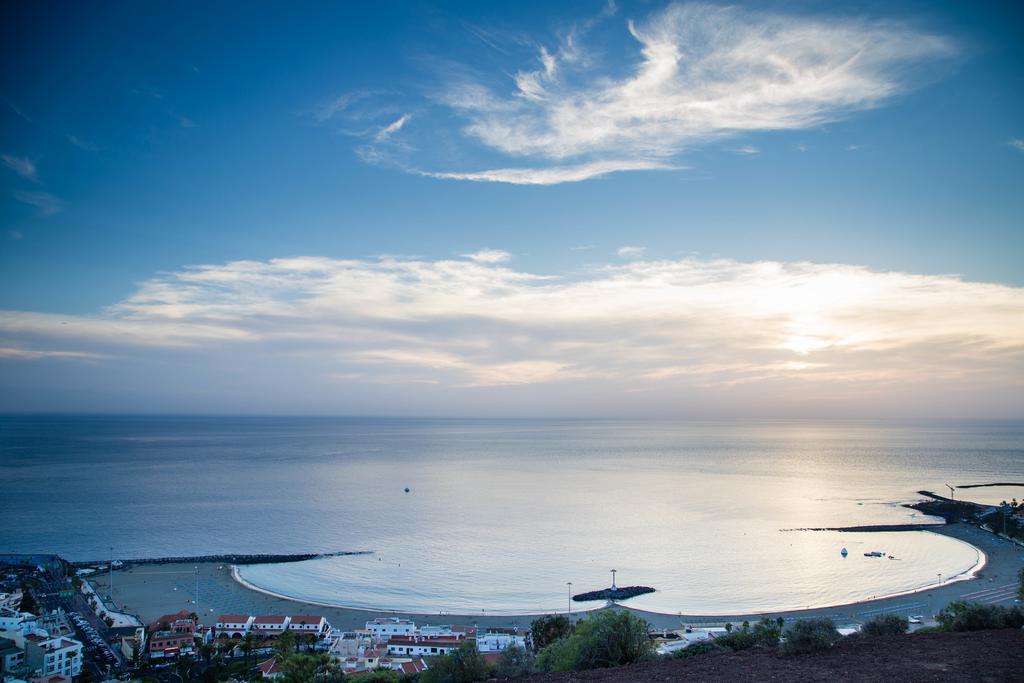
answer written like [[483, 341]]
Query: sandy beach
[[152, 590]]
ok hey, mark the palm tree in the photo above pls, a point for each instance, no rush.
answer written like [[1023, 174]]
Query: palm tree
[[247, 645]]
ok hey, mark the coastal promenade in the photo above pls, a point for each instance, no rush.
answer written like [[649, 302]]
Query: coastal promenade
[[152, 590]]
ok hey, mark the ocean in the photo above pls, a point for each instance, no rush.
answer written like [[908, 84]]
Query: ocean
[[501, 515]]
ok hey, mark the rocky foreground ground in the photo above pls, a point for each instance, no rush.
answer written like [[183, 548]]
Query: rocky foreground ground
[[975, 656]]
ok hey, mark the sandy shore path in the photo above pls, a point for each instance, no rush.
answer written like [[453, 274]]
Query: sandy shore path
[[152, 590]]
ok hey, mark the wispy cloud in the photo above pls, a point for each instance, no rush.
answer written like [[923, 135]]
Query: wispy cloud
[[1016, 143], [694, 73], [489, 256], [746, 150], [83, 144], [631, 251], [551, 175], [47, 204], [818, 330], [23, 166], [385, 133], [11, 353]]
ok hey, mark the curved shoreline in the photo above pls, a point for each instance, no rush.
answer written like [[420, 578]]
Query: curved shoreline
[[940, 529]]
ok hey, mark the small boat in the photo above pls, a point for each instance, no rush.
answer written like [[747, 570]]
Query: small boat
[[874, 553], [407, 489], [844, 552]]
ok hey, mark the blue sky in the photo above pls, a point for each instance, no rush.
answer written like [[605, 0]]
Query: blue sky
[[142, 141]]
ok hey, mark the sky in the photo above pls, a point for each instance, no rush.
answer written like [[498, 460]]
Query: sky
[[765, 209]]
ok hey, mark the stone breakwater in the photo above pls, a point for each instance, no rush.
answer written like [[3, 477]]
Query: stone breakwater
[[613, 593], [228, 559]]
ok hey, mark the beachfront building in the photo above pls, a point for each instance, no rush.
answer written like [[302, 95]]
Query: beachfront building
[[233, 625], [497, 640], [53, 656], [423, 646], [269, 626], [172, 634], [306, 624], [385, 627]]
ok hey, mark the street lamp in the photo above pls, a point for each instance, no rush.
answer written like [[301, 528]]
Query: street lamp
[[613, 578], [570, 601]]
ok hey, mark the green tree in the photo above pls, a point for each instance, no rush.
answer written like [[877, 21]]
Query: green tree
[[286, 645], [609, 638], [247, 645], [515, 662], [28, 601], [207, 650], [464, 665], [885, 625], [380, 676], [811, 635], [546, 630], [972, 616], [303, 668]]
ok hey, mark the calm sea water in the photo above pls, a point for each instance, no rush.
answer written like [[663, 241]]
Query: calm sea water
[[501, 514]]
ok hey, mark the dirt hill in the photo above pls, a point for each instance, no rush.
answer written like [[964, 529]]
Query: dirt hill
[[977, 656]]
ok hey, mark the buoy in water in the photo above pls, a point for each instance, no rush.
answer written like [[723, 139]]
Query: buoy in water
[[407, 489], [844, 552]]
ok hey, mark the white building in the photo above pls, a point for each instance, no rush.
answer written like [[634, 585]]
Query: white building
[[233, 625], [310, 625], [422, 646], [498, 642], [269, 625], [53, 656], [385, 627]]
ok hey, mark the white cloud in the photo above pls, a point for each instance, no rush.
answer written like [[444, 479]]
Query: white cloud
[[11, 353], [1016, 143], [631, 251], [822, 332], [552, 175], [23, 166], [47, 204], [703, 73], [489, 256], [83, 144], [747, 150], [385, 133]]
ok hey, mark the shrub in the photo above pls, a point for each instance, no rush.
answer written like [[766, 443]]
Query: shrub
[[547, 630], [764, 633], [698, 649], [515, 662], [811, 635], [885, 625], [464, 665], [972, 616], [559, 655], [608, 638]]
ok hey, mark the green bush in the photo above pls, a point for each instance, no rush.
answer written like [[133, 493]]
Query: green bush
[[546, 630], [811, 635], [515, 662], [464, 665], [973, 616], [764, 633], [885, 625], [706, 647], [608, 638]]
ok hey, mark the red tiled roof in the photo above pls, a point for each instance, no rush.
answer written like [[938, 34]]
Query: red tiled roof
[[232, 619], [413, 667], [269, 619], [268, 667], [307, 618]]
